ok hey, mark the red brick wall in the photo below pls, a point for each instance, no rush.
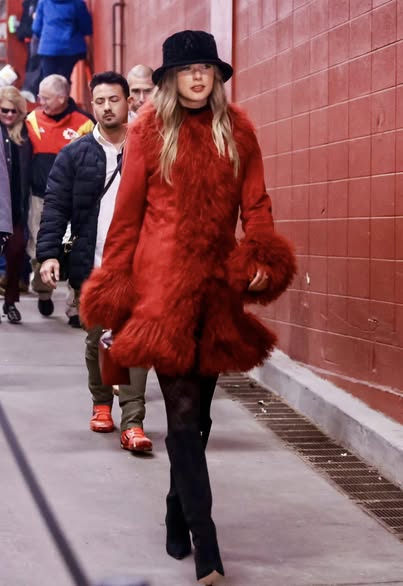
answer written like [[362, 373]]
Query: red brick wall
[[323, 82]]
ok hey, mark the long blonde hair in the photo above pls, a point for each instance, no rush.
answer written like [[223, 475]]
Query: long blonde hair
[[169, 109], [13, 95]]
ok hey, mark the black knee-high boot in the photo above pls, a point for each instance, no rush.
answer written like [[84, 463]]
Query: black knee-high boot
[[190, 474], [178, 539]]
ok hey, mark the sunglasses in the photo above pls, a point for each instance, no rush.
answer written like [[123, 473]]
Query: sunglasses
[[7, 110]]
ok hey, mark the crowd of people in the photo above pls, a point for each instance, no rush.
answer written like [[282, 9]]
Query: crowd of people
[[151, 185]]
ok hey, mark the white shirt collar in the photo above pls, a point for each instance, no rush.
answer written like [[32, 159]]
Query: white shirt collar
[[102, 140]]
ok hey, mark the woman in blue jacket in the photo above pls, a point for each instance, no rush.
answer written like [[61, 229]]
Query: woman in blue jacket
[[61, 26]]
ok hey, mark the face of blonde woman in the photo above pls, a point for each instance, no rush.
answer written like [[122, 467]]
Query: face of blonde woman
[[8, 113], [195, 84]]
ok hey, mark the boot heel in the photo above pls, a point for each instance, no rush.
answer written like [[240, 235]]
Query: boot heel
[[213, 578]]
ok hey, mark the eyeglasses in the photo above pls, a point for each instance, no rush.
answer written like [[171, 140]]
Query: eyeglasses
[[8, 110]]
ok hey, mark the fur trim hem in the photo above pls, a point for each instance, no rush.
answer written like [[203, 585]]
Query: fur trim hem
[[228, 346], [271, 251], [218, 352], [106, 299], [150, 344]]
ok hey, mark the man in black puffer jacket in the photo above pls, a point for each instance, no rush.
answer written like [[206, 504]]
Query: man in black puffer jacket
[[75, 182], [83, 171]]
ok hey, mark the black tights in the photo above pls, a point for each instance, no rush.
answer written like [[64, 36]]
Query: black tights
[[188, 401]]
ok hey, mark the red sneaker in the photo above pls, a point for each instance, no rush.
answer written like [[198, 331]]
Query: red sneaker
[[101, 419], [135, 440]]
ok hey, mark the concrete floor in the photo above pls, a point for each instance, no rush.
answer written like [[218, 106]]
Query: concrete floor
[[279, 522]]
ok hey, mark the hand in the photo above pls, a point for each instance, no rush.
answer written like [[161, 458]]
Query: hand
[[50, 272], [259, 281], [4, 236]]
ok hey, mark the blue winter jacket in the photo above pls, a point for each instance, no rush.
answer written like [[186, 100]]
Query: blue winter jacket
[[61, 26]]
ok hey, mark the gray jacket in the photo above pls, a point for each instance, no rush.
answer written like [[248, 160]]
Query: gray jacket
[[6, 220]]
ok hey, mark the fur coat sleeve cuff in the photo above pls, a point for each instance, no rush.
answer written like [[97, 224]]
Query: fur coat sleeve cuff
[[106, 299], [272, 252]]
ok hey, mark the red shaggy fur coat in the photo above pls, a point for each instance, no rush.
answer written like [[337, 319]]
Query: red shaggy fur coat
[[174, 280]]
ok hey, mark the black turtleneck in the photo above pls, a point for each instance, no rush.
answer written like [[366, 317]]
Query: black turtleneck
[[195, 111]]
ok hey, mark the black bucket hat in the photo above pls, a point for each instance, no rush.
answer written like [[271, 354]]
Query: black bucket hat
[[187, 47]]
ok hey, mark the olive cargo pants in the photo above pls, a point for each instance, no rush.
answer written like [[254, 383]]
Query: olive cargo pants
[[131, 397]]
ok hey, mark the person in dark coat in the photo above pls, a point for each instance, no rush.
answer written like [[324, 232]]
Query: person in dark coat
[[17, 147], [61, 26], [174, 280]]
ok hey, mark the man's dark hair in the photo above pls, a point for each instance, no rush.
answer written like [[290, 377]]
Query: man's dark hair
[[111, 78]]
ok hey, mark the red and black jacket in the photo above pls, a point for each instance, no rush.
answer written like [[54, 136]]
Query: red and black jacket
[[48, 135]]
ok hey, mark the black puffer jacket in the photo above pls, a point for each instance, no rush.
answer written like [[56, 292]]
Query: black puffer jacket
[[75, 182]]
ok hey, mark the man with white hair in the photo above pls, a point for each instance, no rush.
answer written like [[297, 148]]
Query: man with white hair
[[141, 85], [56, 123]]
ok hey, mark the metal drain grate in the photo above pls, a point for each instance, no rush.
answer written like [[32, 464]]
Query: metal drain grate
[[363, 484]]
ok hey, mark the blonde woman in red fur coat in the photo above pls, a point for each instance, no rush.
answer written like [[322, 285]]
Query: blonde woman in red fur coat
[[177, 280]]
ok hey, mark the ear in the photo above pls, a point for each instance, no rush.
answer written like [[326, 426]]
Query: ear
[[130, 101]]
